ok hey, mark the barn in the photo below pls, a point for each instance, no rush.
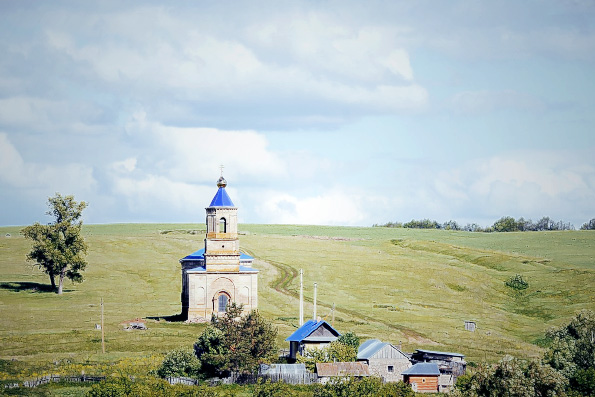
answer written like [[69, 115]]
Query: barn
[[450, 365], [384, 359]]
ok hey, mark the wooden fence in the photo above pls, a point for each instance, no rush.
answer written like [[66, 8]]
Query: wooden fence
[[55, 378], [235, 378], [249, 379]]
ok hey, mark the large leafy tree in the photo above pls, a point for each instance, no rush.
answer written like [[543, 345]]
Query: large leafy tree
[[59, 247], [571, 351], [512, 377], [236, 342]]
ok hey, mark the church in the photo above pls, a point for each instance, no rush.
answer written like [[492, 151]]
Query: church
[[218, 274]]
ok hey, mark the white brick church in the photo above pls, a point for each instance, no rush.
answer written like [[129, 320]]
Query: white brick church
[[218, 274]]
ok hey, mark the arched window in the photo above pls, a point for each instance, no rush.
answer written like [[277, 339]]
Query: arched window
[[222, 302], [222, 225]]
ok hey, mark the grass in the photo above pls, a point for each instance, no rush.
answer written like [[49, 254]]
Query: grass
[[399, 285]]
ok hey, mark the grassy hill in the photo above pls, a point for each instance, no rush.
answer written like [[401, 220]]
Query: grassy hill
[[413, 286]]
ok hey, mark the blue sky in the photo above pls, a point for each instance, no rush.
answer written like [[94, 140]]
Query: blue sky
[[326, 112]]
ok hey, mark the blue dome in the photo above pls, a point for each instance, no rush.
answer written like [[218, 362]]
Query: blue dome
[[221, 199]]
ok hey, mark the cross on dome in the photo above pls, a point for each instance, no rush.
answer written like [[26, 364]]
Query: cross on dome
[[221, 182]]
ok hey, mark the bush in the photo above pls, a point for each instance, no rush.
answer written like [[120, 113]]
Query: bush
[[517, 283], [270, 389], [179, 363], [366, 387], [151, 387]]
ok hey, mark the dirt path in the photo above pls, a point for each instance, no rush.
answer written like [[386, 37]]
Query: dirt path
[[286, 276]]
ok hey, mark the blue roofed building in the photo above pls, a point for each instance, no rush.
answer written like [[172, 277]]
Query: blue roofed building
[[423, 377], [312, 335], [218, 273], [451, 365]]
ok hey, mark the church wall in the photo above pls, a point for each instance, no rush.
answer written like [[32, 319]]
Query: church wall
[[204, 289]]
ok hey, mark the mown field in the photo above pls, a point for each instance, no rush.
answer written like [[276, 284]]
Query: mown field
[[416, 287]]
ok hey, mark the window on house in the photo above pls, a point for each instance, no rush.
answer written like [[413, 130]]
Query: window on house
[[222, 225], [222, 303], [391, 368]]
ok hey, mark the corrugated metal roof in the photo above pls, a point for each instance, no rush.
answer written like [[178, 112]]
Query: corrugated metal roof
[[200, 256], [221, 199], [310, 326], [422, 369], [369, 348], [242, 269], [441, 353], [342, 369]]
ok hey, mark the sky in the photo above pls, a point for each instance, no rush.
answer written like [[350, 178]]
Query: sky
[[321, 112]]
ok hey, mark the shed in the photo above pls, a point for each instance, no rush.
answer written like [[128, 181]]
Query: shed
[[383, 359], [451, 365], [325, 371], [423, 377], [312, 335]]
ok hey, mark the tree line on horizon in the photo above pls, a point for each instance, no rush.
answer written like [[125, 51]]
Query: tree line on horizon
[[504, 224]]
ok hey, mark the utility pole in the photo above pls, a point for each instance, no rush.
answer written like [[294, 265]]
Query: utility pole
[[333, 315], [314, 317], [301, 319], [102, 331]]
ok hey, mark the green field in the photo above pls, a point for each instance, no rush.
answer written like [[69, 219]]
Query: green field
[[413, 286]]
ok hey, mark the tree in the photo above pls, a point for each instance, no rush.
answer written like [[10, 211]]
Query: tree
[[451, 225], [336, 351], [236, 343], [572, 346], [506, 224], [589, 225], [512, 377], [211, 351], [58, 247], [350, 339]]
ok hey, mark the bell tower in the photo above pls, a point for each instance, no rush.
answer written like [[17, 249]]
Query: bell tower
[[222, 246]]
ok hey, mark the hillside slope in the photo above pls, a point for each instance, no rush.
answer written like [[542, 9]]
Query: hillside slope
[[414, 286]]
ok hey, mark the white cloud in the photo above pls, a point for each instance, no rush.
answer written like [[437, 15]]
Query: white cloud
[[159, 198], [318, 60], [125, 166], [528, 184], [195, 154], [488, 101], [333, 207], [69, 178]]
